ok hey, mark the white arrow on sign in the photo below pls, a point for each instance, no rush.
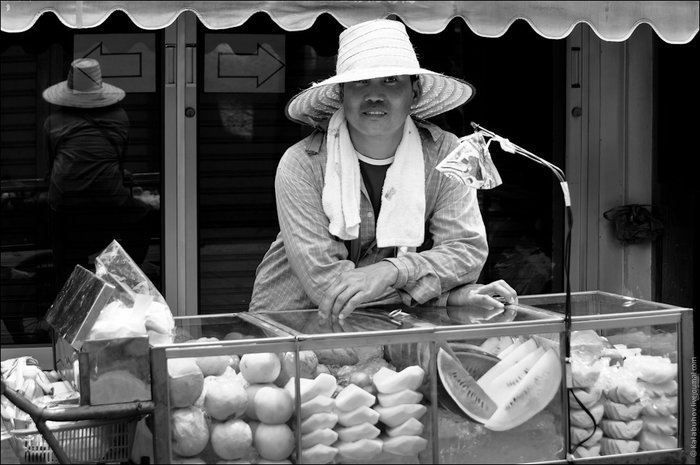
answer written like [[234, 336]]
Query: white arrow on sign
[[260, 65], [116, 64]]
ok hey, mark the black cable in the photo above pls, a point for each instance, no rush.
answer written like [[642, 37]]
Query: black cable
[[506, 145], [588, 412]]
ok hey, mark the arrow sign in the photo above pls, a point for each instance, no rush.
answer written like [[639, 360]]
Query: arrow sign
[[260, 65], [127, 60], [244, 63], [115, 65]]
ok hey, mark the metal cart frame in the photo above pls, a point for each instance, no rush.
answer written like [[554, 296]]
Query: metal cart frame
[[40, 415]]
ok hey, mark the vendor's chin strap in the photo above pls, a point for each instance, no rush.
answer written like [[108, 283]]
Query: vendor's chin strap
[[509, 147]]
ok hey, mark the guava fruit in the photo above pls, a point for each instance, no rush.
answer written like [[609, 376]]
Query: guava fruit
[[186, 381], [232, 439], [226, 397], [308, 361], [260, 367], [189, 431], [274, 442], [273, 405]]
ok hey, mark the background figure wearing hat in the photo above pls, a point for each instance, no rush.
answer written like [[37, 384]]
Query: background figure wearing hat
[[89, 203], [365, 219]]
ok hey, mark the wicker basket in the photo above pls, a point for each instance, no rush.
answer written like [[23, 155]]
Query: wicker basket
[[90, 441]]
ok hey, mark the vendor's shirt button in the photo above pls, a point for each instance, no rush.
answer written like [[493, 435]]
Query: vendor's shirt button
[[369, 214]]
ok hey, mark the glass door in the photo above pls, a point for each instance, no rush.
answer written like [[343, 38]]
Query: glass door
[[247, 74], [40, 141]]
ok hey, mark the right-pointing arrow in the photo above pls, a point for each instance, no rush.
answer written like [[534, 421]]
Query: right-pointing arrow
[[261, 65]]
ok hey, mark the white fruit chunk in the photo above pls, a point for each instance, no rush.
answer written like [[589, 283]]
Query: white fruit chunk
[[530, 396]]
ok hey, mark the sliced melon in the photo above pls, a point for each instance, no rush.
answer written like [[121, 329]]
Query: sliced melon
[[404, 445], [463, 389], [582, 419], [307, 389], [497, 344], [316, 405], [362, 414], [506, 363], [394, 416], [320, 453], [364, 449], [325, 436], [407, 396], [516, 343], [587, 397], [319, 421], [357, 432], [547, 342], [504, 383], [323, 385], [388, 381], [410, 427], [476, 363], [530, 396], [352, 397]]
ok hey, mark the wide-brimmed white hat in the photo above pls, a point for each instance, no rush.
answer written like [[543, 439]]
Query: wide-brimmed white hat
[[374, 49], [84, 87]]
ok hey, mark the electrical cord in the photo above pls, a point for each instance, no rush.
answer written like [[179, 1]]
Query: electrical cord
[[508, 146]]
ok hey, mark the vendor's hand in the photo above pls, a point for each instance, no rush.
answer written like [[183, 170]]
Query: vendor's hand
[[355, 287], [481, 295]]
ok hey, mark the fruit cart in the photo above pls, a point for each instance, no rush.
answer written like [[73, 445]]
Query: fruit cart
[[398, 397]]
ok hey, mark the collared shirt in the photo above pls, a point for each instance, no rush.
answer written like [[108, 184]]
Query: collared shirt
[[305, 258]]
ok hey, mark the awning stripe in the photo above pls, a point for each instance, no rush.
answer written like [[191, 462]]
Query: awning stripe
[[675, 22]]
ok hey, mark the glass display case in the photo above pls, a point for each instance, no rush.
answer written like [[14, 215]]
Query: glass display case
[[206, 356], [634, 370], [454, 426], [428, 385]]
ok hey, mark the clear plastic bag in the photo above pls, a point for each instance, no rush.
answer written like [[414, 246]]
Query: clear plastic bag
[[136, 297]]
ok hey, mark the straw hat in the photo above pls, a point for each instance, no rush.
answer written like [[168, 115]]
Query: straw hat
[[84, 87], [374, 49]]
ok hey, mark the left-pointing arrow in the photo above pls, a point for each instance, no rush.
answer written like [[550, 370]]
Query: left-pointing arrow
[[260, 65], [115, 65]]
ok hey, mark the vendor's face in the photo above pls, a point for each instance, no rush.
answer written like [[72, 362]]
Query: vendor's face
[[377, 108]]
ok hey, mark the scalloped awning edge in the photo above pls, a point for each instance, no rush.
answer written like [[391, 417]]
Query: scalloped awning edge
[[674, 22]]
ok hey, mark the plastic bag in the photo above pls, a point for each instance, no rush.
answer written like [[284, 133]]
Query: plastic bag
[[470, 163], [137, 307], [634, 224]]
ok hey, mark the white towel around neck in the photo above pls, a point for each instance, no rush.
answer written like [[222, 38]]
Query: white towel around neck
[[402, 214]]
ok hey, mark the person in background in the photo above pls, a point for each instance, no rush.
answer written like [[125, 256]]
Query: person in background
[[90, 202], [365, 219]]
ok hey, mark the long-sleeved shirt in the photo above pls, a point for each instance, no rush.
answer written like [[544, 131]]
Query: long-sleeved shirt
[[86, 168], [305, 258]]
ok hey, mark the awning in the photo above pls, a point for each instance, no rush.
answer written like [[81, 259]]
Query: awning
[[674, 21]]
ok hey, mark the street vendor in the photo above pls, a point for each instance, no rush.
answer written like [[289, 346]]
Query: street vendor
[[365, 219]]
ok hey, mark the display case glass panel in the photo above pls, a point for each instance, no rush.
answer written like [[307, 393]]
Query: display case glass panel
[[452, 384], [425, 340], [593, 303], [629, 374], [205, 385]]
